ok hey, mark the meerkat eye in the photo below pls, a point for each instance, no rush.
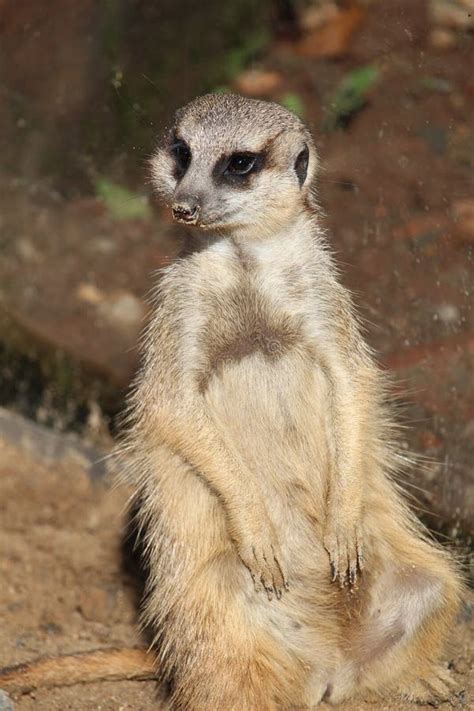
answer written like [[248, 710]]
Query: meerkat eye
[[241, 163], [301, 165], [182, 154]]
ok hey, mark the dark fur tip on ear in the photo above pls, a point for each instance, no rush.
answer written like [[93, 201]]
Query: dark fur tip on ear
[[301, 165]]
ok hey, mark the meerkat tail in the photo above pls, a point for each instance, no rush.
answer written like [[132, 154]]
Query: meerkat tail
[[124, 664]]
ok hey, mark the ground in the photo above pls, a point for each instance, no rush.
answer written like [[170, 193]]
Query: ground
[[76, 266]]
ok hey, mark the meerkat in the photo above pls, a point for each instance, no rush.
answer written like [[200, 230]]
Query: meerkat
[[285, 567]]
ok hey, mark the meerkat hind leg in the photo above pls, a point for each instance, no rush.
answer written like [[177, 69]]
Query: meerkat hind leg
[[212, 643], [400, 633], [223, 661]]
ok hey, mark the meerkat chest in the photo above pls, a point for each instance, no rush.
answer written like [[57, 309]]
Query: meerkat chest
[[252, 314], [244, 322]]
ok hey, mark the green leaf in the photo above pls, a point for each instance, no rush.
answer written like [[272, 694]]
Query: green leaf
[[120, 202], [222, 89], [241, 55], [437, 84], [350, 96], [293, 103]]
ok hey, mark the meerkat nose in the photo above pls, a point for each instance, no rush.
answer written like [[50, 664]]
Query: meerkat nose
[[186, 210]]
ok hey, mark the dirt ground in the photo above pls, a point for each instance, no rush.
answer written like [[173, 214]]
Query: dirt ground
[[64, 586]]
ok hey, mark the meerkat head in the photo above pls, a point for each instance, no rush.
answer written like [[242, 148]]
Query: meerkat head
[[237, 165]]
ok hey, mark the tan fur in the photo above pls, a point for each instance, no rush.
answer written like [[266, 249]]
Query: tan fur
[[259, 441]]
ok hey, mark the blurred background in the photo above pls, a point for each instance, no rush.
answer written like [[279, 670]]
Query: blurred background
[[87, 89]]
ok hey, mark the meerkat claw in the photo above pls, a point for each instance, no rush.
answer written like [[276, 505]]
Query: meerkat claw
[[353, 575], [256, 582]]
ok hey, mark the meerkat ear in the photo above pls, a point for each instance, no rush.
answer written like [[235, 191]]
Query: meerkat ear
[[301, 165]]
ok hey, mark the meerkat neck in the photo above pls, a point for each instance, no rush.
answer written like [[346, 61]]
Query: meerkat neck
[[303, 226]]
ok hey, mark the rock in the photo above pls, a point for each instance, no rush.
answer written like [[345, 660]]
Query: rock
[[50, 448], [6, 704]]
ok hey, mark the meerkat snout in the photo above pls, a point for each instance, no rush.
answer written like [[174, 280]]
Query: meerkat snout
[[236, 165], [186, 209]]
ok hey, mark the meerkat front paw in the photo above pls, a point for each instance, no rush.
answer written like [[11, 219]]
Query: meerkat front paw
[[343, 542], [265, 565], [261, 554]]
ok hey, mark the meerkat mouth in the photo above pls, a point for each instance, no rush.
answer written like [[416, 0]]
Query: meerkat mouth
[[186, 215]]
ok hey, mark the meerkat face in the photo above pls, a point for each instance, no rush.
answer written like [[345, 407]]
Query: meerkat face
[[237, 165]]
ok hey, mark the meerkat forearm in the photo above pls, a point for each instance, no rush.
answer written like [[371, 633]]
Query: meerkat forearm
[[343, 537], [349, 395], [189, 432]]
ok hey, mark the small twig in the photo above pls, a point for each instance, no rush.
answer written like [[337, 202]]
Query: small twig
[[80, 668]]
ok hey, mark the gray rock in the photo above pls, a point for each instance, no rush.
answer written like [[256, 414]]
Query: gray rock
[[51, 447], [6, 704]]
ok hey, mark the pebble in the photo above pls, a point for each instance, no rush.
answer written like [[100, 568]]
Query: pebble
[[463, 213], [442, 39], [448, 313], [318, 15], [123, 309], [89, 293], [27, 251], [96, 604], [6, 704], [462, 666]]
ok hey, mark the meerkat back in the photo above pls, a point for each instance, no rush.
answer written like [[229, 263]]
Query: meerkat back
[[285, 567]]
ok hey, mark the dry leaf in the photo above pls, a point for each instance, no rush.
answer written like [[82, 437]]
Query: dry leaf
[[333, 38]]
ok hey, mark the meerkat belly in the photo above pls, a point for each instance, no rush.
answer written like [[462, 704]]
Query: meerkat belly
[[272, 411]]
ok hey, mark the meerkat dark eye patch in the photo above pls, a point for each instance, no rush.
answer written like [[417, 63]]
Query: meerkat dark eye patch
[[301, 165], [182, 156], [237, 168], [241, 163]]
